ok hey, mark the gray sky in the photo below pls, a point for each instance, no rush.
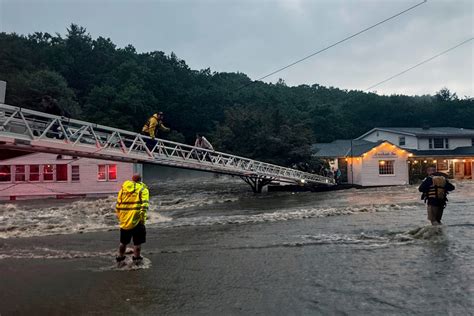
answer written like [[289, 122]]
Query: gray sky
[[258, 37]]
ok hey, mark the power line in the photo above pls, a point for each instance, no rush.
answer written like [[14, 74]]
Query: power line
[[337, 43], [419, 64]]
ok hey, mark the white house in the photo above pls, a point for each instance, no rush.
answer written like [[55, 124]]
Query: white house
[[398, 155], [40, 175]]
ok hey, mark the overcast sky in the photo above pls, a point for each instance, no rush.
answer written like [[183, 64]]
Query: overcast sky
[[258, 37]]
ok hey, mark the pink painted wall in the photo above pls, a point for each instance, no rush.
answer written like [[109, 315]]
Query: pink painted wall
[[88, 183]]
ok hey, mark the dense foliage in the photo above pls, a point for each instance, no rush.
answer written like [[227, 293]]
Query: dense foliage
[[92, 79]]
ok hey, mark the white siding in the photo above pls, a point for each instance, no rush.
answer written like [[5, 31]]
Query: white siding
[[459, 142], [366, 169], [87, 185], [453, 143], [410, 141]]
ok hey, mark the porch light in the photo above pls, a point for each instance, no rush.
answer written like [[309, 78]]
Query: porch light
[[382, 162], [416, 161], [435, 161], [410, 155], [464, 160], [302, 181], [425, 161]]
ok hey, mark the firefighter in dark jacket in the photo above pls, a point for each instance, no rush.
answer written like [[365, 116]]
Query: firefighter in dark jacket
[[435, 188]]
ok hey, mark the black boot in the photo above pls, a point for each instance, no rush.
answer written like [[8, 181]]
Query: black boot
[[137, 260]]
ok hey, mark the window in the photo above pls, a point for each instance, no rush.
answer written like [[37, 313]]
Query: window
[[20, 173], [101, 173], [401, 141], [386, 167], [5, 173], [48, 172], [34, 173], [442, 165], [472, 141], [61, 172], [107, 173], [436, 143], [112, 172], [75, 175], [446, 143]]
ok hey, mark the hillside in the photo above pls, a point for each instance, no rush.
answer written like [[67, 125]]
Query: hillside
[[94, 80]]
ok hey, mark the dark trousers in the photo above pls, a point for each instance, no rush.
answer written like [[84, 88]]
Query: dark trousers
[[150, 143]]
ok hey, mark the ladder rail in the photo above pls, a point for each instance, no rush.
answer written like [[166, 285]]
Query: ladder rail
[[37, 126]]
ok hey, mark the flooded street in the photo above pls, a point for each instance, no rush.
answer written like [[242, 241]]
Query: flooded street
[[214, 247]]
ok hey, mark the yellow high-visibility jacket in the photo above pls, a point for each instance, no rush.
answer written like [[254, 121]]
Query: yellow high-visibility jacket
[[132, 204], [151, 124]]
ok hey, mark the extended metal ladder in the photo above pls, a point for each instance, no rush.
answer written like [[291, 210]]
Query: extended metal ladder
[[33, 131]]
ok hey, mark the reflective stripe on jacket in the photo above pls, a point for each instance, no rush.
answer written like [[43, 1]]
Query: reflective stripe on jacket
[[132, 204]]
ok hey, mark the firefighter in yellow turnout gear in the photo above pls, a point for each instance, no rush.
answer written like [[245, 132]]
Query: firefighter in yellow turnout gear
[[131, 209], [156, 120]]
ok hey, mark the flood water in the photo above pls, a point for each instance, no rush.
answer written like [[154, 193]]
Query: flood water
[[213, 247]]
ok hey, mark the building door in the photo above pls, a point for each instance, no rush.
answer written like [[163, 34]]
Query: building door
[[458, 170], [468, 170], [342, 164]]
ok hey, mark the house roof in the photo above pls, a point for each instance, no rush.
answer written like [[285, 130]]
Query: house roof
[[425, 132], [342, 148], [457, 152]]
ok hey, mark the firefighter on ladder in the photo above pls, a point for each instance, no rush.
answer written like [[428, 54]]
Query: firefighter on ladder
[[149, 129]]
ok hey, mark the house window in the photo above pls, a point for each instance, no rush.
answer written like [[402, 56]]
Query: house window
[[436, 143], [401, 140], [61, 172], [386, 167], [101, 173], [446, 143], [48, 172], [34, 175], [5, 173], [20, 173], [107, 173], [442, 165], [112, 172], [75, 176]]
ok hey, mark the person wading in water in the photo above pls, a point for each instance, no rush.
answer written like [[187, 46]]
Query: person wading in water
[[131, 210], [435, 188]]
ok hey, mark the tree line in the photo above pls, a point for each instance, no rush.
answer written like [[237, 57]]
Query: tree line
[[94, 80]]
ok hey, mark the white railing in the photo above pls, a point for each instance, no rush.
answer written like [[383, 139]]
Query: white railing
[[36, 131]]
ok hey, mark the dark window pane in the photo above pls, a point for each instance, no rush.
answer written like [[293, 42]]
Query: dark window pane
[[34, 173], [5, 173], [61, 172], [75, 176], [48, 172], [112, 172], [20, 175]]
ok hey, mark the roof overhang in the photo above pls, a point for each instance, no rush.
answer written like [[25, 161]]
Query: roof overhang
[[384, 130]]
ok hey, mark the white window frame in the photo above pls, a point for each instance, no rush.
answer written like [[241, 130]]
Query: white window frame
[[386, 174], [105, 173], [78, 173]]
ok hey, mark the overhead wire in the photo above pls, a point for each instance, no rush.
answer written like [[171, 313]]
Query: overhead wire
[[336, 43], [419, 64]]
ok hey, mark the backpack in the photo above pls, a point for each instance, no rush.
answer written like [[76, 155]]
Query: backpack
[[437, 190]]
